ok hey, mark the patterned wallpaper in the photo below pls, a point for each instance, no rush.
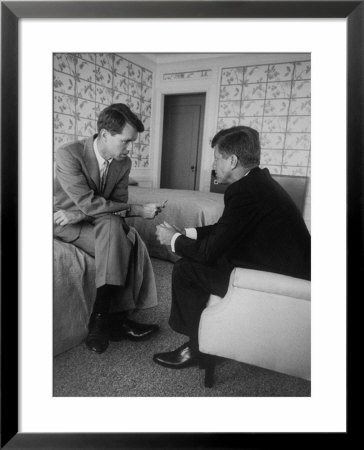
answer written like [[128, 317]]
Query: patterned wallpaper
[[85, 83], [275, 99], [187, 75]]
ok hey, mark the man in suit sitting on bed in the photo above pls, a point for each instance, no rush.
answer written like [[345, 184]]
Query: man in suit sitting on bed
[[91, 201], [260, 228]]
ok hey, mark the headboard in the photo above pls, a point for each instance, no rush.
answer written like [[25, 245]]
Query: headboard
[[296, 186]]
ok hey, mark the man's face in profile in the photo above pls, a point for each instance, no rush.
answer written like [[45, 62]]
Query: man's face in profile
[[116, 146], [222, 166]]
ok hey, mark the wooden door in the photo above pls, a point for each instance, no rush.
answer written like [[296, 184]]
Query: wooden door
[[182, 141]]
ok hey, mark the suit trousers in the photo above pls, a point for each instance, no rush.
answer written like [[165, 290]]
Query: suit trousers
[[121, 259], [106, 240], [192, 285]]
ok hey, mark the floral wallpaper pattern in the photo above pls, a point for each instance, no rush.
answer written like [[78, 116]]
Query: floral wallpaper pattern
[[85, 83], [275, 99], [187, 75]]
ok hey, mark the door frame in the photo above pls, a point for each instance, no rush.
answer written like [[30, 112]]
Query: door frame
[[207, 87], [202, 99]]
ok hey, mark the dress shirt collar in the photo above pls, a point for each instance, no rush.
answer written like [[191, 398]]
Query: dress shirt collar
[[100, 159]]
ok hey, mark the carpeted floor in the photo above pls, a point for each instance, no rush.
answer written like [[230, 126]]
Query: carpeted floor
[[126, 369]]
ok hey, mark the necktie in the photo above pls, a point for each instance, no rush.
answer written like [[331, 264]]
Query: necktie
[[104, 170]]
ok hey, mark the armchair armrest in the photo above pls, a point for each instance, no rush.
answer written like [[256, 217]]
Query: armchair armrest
[[274, 283], [264, 320]]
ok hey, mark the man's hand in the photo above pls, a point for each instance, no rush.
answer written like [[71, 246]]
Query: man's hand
[[146, 211], [165, 232], [63, 217], [173, 228], [120, 213]]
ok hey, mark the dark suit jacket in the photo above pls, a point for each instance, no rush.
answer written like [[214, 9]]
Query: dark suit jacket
[[260, 228], [77, 185]]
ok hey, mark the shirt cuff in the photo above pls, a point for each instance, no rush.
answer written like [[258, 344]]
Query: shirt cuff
[[173, 240], [191, 233]]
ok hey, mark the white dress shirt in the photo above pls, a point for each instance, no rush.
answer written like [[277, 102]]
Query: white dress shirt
[[100, 160], [190, 233]]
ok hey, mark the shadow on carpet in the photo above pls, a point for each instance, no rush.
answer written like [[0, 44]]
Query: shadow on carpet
[[126, 369]]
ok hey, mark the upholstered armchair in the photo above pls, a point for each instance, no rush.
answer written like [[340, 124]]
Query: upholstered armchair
[[263, 320]]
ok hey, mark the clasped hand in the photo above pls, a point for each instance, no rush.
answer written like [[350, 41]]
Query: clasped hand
[[165, 232], [62, 217]]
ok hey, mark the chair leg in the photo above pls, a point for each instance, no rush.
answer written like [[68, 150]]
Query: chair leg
[[209, 374], [208, 364]]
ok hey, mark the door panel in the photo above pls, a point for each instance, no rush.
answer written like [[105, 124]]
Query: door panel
[[182, 138]]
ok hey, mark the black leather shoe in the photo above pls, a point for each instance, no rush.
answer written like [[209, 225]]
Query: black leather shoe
[[131, 330], [180, 358], [98, 338]]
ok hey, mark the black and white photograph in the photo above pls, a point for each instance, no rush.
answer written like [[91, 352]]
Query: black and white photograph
[[181, 195], [182, 212]]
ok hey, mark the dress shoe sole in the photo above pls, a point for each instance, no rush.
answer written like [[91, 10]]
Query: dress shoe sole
[[119, 338], [185, 365], [94, 350]]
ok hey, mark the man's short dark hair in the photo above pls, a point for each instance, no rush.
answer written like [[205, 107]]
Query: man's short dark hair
[[114, 117], [240, 141]]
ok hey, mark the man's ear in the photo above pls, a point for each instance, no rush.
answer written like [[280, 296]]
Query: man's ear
[[234, 161], [103, 134]]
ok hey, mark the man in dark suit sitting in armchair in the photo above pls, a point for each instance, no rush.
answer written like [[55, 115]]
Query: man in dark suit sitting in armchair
[[260, 228]]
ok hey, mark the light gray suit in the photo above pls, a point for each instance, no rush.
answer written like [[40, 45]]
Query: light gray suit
[[121, 257]]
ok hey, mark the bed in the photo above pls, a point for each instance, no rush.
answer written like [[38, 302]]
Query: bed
[[74, 293]]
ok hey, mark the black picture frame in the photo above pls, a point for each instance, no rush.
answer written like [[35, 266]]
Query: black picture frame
[[11, 12]]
